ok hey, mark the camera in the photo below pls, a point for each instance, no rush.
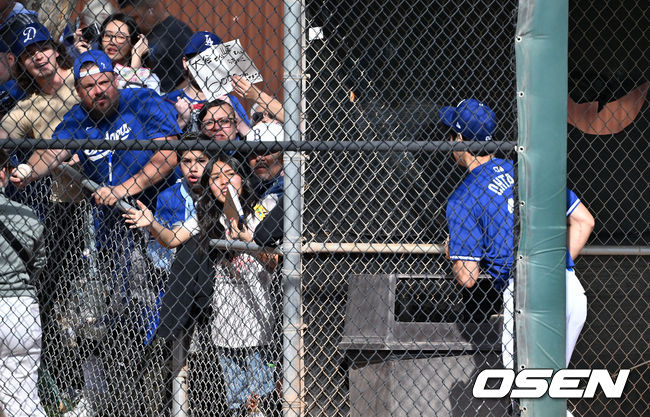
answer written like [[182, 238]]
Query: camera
[[90, 33]]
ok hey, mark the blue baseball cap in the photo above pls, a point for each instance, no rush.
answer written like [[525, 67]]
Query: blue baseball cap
[[201, 41], [471, 118], [29, 35], [98, 58]]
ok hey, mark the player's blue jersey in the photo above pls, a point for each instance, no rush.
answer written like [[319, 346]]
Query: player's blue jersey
[[142, 114], [572, 201], [481, 220]]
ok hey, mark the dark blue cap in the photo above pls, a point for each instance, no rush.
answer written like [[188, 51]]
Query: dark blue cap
[[201, 41], [98, 58], [29, 35], [471, 118]]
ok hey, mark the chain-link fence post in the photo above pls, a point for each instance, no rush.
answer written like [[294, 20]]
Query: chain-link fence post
[[292, 359], [541, 53]]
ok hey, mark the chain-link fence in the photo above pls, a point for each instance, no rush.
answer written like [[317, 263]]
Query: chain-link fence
[[335, 231]]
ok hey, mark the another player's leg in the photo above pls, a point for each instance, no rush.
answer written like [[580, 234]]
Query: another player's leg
[[576, 312]]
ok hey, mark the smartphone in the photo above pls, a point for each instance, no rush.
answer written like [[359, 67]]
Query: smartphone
[[90, 33]]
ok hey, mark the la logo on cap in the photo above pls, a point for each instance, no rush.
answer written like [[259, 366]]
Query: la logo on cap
[[208, 40]]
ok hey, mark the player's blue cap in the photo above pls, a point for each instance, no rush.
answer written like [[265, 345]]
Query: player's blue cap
[[98, 58], [29, 35], [471, 118], [201, 41]]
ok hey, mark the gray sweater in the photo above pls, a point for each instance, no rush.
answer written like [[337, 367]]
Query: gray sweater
[[27, 228]]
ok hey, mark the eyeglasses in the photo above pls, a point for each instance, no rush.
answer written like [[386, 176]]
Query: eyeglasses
[[221, 123], [119, 36]]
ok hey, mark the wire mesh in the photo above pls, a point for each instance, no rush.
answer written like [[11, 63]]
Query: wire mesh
[[143, 321]]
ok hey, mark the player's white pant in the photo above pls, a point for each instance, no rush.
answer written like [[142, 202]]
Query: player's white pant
[[20, 353], [576, 311], [576, 315], [508, 334]]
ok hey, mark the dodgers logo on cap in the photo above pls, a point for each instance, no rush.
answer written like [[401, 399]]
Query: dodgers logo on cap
[[29, 35], [201, 41]]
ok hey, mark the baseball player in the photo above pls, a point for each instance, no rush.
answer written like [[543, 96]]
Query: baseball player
[[580, 223], [480, 211]]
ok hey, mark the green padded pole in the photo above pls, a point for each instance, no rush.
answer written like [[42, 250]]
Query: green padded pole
[[541, 53]]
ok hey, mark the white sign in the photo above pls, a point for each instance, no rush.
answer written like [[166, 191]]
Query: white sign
[[533, 383], [213, 68]]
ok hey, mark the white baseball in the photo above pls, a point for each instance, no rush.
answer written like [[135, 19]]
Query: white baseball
[[22, 171]]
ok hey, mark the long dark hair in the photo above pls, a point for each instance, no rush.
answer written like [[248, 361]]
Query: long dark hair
[[209, 209], [134, 32]]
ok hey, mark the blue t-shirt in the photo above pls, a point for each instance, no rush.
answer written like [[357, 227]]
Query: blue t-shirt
[[572, 201], [142, 114], [481, 221], [174, 206]]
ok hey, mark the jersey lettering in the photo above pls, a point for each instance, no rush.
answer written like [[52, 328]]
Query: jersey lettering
[[120, 134], [501, 184], [95, 155]]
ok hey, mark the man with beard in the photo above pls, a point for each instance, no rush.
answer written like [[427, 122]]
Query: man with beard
[[108, 113], [267, 166]]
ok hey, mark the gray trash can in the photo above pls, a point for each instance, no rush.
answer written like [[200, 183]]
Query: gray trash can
[[419, 362]]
